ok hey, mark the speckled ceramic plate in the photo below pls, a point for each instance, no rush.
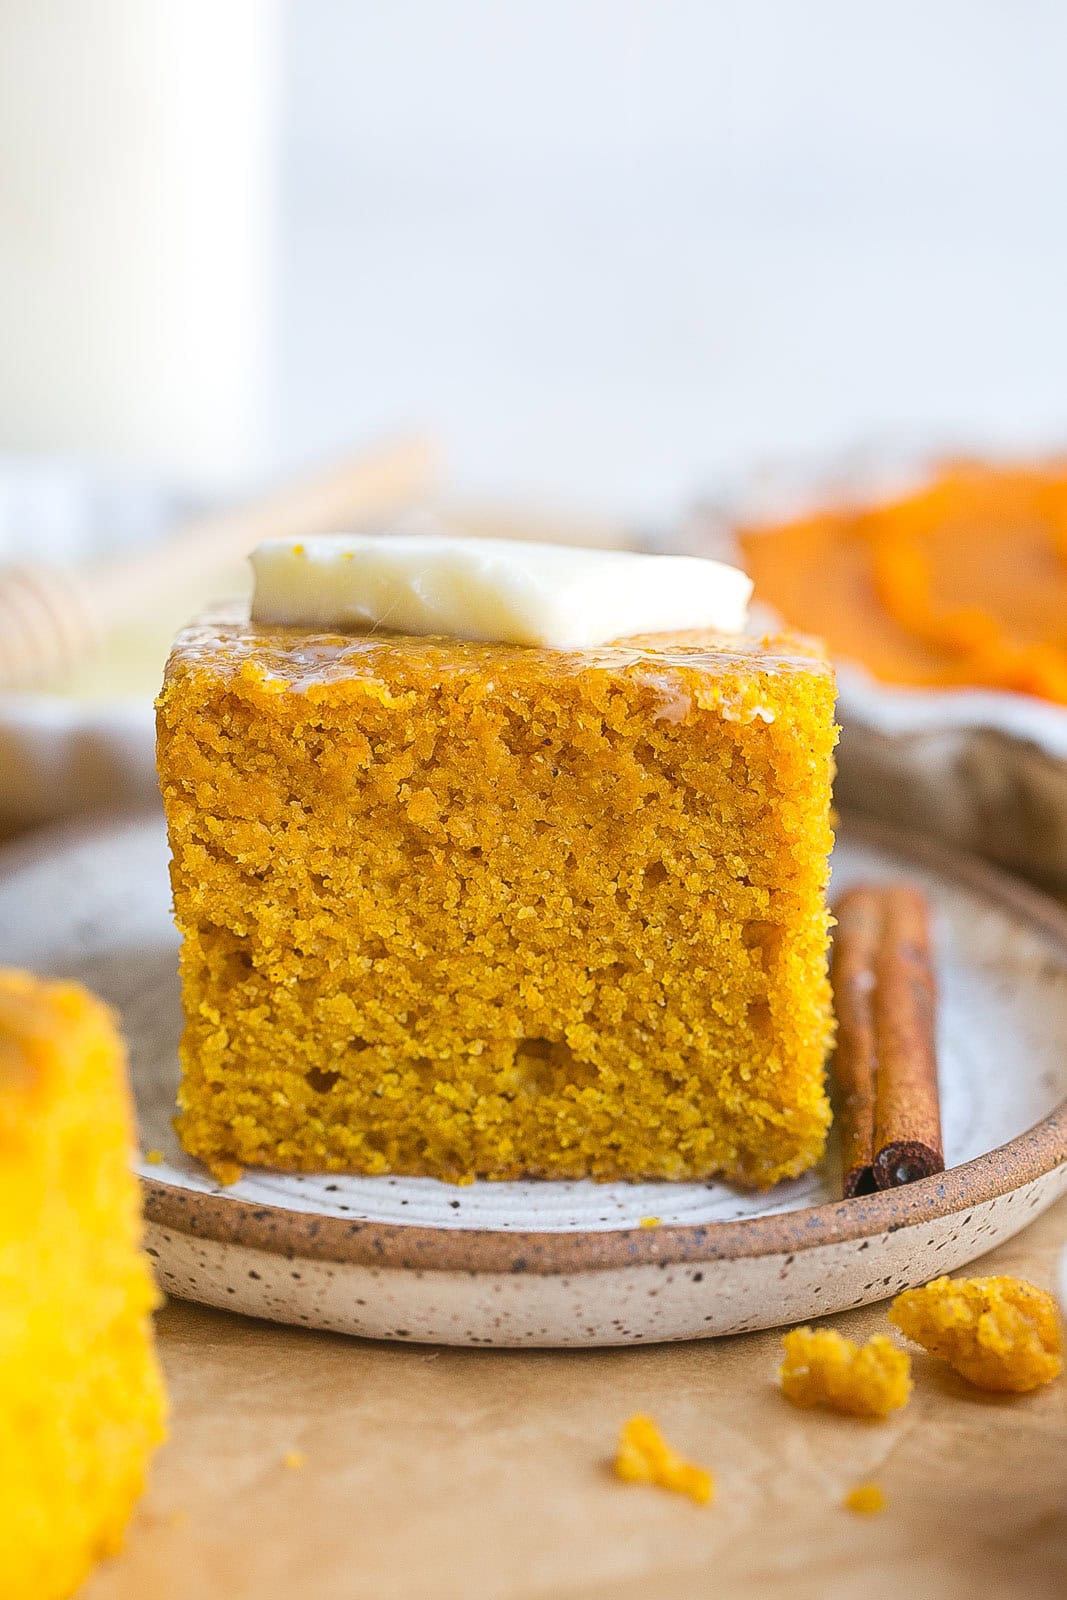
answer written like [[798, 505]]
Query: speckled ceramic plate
[[568, 1263]]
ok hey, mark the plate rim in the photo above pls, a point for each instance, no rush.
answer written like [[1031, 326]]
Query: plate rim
[[280, 1230]]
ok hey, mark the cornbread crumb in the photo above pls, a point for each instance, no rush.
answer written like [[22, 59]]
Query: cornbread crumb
[[82, 1405], [356, 821], [1001, 1334], [649, 1222], [178, 1519], [294, 1460], [822, 1367], [226, 1172], [866, 1499], [644, 1456], [153, 1157]]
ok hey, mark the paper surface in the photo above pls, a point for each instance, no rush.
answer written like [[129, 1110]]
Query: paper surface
[[436, 1474]]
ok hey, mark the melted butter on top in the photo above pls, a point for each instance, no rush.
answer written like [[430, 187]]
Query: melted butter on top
[[501, 591]]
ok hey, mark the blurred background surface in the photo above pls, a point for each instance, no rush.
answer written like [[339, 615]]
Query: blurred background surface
[[622, 248], [613, 250]]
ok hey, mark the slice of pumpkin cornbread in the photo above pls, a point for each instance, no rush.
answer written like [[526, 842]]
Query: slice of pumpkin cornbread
[[81, 1398], [463, 909]]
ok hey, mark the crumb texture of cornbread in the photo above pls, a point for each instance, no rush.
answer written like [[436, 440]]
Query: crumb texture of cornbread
[[644, 1456], [462, 909], [82, 1405], [866, 1500], [1001, 1334], [824, 1368]]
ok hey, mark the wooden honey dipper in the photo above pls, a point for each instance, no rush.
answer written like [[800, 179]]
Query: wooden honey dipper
[[51, 618]]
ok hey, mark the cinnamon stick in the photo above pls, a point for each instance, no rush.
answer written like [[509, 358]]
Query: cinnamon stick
[[886, 1060], [855, 951]]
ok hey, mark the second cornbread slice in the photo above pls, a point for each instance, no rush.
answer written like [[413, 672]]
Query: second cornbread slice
[[82, 1406]]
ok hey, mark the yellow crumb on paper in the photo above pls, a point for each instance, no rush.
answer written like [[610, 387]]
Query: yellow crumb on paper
[[822, 1367], [1001, 1334], [153, 1157], [644, 1456], [294, 1460], [649, 1222], [866, 1500], [178, 1519]]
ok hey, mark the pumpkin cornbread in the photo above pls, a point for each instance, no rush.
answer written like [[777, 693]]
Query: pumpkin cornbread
[[81, 1399], [459, 909]]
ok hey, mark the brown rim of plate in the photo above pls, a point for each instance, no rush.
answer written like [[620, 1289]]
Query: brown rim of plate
[[279, 1230]]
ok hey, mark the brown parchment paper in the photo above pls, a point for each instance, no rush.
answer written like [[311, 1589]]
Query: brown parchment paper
[[436, 1474]]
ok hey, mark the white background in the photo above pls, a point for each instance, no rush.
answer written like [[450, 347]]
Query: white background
[[616, 249]]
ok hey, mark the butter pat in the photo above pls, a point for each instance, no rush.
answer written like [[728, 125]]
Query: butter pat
[[500, 590]]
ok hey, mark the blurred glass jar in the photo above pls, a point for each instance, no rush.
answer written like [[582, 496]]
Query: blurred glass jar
[[138, 189]]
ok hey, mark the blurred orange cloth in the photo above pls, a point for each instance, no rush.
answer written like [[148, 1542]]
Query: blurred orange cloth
[[961, 583]]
